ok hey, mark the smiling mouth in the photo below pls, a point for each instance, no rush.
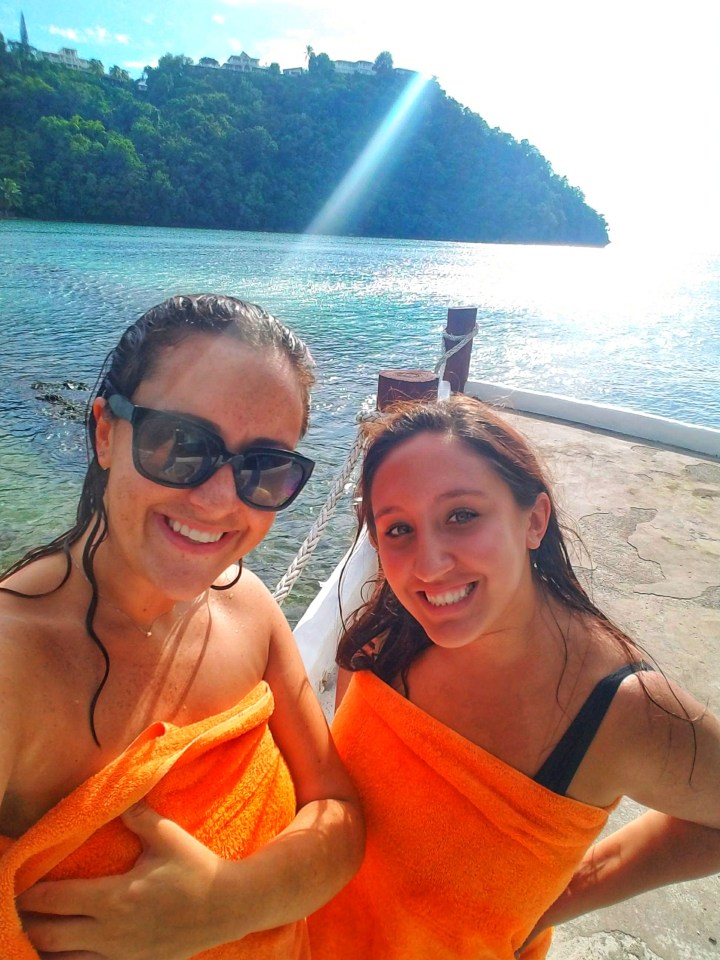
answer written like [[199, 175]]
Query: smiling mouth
[[197, 536], [450, 596]]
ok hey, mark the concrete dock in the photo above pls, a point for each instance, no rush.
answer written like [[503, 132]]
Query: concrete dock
[[649, 517]]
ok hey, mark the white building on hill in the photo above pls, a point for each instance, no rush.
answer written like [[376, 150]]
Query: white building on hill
[[66, 57], [356, 66], [243, 63]]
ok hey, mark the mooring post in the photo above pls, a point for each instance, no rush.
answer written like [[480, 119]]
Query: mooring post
[[396, 385], [460, 321]]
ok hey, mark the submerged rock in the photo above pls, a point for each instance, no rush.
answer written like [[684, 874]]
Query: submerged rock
[[54, 394]]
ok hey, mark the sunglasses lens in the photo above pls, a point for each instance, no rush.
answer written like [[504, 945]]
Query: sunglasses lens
[[173, 451], [270, 480]]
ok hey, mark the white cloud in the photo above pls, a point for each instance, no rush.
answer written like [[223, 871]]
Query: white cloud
[[66, 32], [235, 45], [99, 34], [218, 18]]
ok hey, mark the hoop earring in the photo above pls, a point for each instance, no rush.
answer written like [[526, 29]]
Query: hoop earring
[[229, 586]]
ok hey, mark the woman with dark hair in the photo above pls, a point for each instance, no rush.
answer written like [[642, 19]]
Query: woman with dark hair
[[495, 716], [140, 661]]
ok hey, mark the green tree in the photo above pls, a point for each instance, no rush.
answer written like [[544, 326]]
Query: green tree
[[383, 63], [173, 63], [10, 196], [321, 65], [117, 73]]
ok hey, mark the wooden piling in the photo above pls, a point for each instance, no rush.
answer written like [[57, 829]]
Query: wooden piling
[[396, 385], [460, 321]]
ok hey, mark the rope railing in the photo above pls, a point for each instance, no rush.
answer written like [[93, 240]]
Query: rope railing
[[285, 585], [308, 545]]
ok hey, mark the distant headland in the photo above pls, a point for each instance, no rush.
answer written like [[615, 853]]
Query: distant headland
[[356, 148]]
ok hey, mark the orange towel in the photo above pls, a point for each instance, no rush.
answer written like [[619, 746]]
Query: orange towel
[[222, 779], [464, 853]]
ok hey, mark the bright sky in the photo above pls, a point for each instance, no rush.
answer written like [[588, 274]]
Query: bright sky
[[620, 96]]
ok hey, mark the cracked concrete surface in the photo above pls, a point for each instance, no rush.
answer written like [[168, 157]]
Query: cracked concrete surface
[[649, 518]]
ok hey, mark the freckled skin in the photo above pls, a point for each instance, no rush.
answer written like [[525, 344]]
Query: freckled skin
[[253, 399]]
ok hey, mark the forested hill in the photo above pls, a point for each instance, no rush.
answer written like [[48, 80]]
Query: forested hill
[[203, 147]]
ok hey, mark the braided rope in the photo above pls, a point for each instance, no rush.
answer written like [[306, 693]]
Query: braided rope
[[460, 341], [308, 545]]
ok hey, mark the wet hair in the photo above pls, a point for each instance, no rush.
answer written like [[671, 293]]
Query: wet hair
[[129, 364], [382, 635]]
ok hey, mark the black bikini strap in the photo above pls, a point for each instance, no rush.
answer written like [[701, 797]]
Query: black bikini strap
[[561, 766]]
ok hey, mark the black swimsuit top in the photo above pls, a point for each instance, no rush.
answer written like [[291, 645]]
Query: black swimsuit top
[[561, 766]]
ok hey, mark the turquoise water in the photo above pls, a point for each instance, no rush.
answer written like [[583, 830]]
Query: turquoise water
[[630, 327]]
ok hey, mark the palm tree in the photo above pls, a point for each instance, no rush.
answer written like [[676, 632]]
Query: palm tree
[[10, 196], [117, 73]]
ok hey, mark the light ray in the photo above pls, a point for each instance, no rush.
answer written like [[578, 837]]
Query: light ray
[[349, 193]]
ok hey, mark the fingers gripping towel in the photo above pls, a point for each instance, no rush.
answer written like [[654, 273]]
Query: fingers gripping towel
[[222, 779], [464, 853]]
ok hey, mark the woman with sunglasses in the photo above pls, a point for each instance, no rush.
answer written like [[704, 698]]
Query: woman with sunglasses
[[495, 716], [141, 662]]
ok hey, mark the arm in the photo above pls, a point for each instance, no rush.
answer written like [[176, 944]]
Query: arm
[[322, 848], [180, 898], [660, 767], [652, 851]]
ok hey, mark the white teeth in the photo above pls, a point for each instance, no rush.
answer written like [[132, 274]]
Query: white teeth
[[199, 536], [452, 596]]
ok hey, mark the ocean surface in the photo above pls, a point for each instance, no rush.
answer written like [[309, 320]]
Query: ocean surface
[[633, 327]]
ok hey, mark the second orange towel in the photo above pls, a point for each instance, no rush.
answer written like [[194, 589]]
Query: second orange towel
[[464, 853]]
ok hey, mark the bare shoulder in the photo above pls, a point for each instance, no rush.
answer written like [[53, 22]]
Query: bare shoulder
[[251, 604], [665, 746], [38, 578], [650, 702]]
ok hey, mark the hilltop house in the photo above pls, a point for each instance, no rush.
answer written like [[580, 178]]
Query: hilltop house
[[243, 63], [66, 56], [357, 66]]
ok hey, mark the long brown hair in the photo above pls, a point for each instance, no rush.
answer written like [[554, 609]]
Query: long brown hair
[[507, 452]]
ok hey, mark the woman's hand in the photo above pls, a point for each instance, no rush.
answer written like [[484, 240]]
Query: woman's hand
[[152, 911]]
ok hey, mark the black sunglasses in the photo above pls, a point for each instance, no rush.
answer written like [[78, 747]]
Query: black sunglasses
[[177, 451]]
